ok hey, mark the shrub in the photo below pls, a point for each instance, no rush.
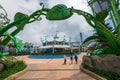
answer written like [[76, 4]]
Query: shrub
[[106, 74], [11, 68]]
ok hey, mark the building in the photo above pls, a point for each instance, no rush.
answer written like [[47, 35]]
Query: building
[[75, 47], [112, 6], [98, 5], [58, 45]]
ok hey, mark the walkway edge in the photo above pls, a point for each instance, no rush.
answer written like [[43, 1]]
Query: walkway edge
[[16, 75], [97, 77]]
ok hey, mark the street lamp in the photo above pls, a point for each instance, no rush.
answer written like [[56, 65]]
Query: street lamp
[[81, 41], [81, 38]]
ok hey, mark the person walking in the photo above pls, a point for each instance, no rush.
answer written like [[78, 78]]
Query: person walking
[[71, 58], [76, 59], [65, 59]]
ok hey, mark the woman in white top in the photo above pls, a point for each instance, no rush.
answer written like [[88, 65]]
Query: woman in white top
[[65, 59]]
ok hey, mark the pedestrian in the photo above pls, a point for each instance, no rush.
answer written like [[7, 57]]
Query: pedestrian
[[65, 59], [71, 58], [76, 59]]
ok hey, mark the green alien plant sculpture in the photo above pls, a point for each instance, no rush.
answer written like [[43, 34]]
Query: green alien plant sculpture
[[61, 12]]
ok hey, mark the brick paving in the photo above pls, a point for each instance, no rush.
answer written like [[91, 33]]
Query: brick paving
[[52, 69]]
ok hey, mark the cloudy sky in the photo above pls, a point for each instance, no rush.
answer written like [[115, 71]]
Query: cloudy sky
[[39, 29]]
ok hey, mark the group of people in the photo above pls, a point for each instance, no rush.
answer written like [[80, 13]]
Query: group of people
[[71, 58]]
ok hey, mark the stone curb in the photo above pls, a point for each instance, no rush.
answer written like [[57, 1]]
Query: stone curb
[[97, 77], [16, 75]]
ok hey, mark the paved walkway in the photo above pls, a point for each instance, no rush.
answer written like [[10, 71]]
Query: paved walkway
[[52, 69]]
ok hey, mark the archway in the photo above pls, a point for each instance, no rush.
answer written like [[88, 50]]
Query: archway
[[20, 19], [60, 12]]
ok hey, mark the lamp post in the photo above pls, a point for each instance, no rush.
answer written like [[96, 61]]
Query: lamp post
[[81, 41]]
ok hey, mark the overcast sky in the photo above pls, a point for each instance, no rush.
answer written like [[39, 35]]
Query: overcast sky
[[39, 29]]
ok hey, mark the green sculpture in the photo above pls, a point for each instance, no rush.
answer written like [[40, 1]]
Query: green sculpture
[[17, 42], [61, 12], [3, 54]]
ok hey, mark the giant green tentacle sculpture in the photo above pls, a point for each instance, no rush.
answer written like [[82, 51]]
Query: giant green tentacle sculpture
[[20, 20], [17, 43], [102, 31], [94, 22], [61, 12]]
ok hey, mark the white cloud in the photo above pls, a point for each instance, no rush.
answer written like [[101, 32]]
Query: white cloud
[[34, 31]]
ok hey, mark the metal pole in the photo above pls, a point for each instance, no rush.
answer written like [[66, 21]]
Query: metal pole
[[81, 40], [70, 44]]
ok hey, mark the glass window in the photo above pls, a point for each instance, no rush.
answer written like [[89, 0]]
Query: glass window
[[104, 5], [96, 7]]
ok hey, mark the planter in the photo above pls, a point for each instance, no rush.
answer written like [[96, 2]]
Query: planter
[[2, 66], [92, 74], [16, 75], [108, 63]]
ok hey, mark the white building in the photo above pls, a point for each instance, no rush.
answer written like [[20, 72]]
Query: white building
[[58, 45]]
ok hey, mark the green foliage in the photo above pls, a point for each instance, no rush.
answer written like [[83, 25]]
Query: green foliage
[[12, 68], [106, 74], [102, 32], [98, 52], [95, 52], [108, 36], [102, 15], [18, 44], [89, 52], [59, 12], [3, 54], [108, 50]]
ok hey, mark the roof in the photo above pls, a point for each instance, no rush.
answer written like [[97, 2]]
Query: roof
[[55, 46], [60, 39]]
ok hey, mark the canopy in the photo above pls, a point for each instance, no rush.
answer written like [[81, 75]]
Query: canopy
[[55, 46]]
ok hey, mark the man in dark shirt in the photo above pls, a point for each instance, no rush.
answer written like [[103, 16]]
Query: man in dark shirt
[[76, 59]]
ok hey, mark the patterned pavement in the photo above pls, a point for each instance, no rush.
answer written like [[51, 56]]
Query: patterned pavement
[[53, 69]]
